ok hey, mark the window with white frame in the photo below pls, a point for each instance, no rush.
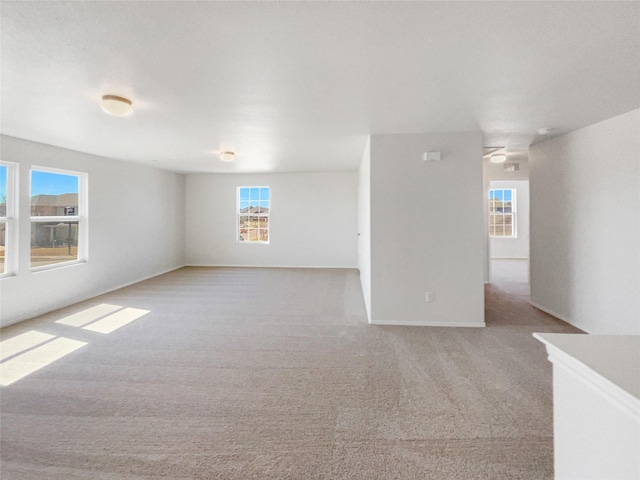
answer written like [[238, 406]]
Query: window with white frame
[[8, 223], [502, 212], [58, 217], [253, 208]]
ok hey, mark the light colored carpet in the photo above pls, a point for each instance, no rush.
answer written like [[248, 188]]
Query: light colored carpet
[[274, 374]]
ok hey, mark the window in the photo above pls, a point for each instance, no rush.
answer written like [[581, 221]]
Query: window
[[502, 211], [8, 223], [58, 217], [253, 214]]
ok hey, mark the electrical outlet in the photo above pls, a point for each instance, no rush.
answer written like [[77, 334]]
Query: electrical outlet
[[431, 297]]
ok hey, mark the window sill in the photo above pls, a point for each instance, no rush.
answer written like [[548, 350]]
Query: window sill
[[56, 266]]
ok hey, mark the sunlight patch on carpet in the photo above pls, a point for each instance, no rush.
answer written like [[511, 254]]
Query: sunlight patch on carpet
[[20, 343], [19, 367], [116, 320], [89, 315]]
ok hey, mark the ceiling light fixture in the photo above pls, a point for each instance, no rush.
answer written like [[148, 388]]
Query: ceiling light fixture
[[117, 106], [544, 130], [227, 156], [498, 158]]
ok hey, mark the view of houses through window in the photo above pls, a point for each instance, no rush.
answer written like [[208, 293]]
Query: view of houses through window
[[502, 210], [55, 217], [254, 204]]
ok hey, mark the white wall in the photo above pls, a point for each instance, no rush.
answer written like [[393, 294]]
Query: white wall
[[135, 229], [517, 247], [364, 226], [313, 221], [585, 226], [427, 230]]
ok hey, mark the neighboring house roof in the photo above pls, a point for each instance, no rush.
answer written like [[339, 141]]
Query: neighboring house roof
[[63, 200]]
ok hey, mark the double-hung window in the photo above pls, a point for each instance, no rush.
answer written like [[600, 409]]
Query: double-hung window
[[58, 217], [502, 212], [8, 223], [253, 208]]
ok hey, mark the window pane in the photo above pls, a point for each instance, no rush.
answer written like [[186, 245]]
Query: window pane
[[53, 194], [244, 225], [53, 242], [253, 213], [501, 212], [3, 238], [3, 192]]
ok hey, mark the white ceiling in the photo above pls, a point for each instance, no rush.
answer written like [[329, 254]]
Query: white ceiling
[[299, 86]]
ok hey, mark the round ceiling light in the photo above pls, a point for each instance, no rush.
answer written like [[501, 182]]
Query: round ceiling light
[[498, 158], [117, 106], [227, 156]]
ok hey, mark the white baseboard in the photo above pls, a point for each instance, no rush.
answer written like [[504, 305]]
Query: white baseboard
[[215, 265], [427, 324], [137, 281], [551, 312], [64, 304]]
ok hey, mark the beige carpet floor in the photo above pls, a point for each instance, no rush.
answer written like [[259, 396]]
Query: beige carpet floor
[[274, 374]]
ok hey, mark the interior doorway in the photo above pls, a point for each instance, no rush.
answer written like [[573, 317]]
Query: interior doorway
[[508, 231], [508, 237]]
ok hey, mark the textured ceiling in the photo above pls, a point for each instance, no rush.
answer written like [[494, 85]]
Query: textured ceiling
[[299, 86]]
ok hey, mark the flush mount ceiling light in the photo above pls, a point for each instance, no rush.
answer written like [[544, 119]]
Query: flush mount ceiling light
[[227, 156], [544, 130], [117, 106], [498, 158]]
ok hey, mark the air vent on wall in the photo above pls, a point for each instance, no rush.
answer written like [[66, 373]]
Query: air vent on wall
[[511, 167]]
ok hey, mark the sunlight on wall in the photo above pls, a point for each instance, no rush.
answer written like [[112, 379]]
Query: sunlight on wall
[[29, 352]]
